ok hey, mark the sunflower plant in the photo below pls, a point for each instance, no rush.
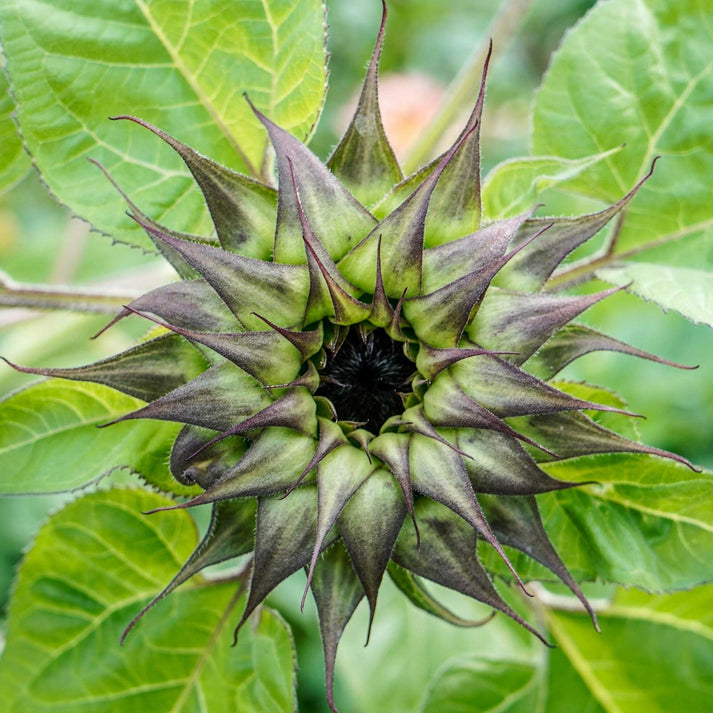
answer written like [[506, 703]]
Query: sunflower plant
[[358, 364]]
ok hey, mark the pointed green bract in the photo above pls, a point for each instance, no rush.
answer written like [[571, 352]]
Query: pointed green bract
[[364, 160], [228, 536], [339, 475], [330, 436], [532, 267], [508, 391], [393, 450], [414, 419], [432, 361], [440, 317], [382, 314], [400, 237], [369, 526], [439, 473], [446, 404], [571, 434], [217, 399], [337, 592], [498, 464], [517, 523], [576, 340], [270, 465], [194, 461], [284, 537], [295, 409], [328, 298], [177, 262], [411, 586], [242, 209], [335, 215], [455, 207], [471, 253], [247, 285], [523, 322], [192, 304], [447, 555], [330, 294], [147, 371], [456, 204], [307, 343], [265, 355]]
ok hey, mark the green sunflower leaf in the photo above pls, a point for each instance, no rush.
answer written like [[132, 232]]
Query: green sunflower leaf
[[662, 511], [626, 669], [620, 666], [229, 535], [50, 442], [14, 161], [515, 185], [82, 582], [688, 291], [650, 63], [183, 71], [475, 685]]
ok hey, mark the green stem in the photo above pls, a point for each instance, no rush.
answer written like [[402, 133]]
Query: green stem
[[577, 273], [584, 269], [46, 297], [465, 86], [544, 599]]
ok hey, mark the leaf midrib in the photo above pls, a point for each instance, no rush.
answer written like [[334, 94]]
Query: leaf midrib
[[659, 617], [581, 665], [15, 445], [195, 86], [674, 517], [206, 652]]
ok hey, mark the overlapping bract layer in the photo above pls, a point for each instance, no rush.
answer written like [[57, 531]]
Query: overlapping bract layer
[[257, 314]]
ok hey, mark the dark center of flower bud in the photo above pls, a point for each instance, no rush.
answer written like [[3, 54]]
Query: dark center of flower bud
[[365, 377]]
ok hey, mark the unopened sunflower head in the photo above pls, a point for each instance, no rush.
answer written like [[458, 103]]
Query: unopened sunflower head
[[353, 360]]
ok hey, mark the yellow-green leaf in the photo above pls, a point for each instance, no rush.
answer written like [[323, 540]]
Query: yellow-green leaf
[[183, 66], [93, 566]]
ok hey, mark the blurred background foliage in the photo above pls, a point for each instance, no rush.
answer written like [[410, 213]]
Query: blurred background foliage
[[425, 48]]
